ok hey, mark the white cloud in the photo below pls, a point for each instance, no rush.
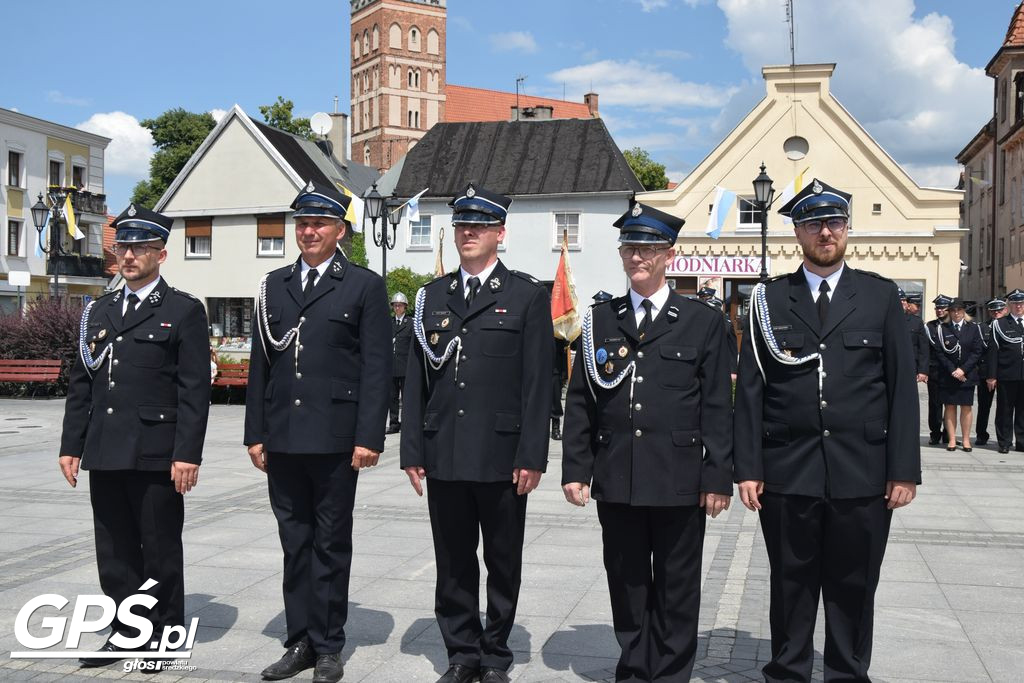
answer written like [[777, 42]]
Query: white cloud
[[652, 5], [640, 85], [943, 176], [514, 41], [57, 97], [897, 74], [218, 114], [131, 145]]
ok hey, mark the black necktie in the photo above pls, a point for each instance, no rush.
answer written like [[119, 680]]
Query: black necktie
[[129, 312], [646, 320], [310, 282], [823, 301], [474, 285]]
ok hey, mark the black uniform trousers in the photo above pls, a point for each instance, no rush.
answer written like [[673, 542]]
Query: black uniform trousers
[[652, 556], [138, 518], [984, 410], [459, 512], [397, 394], [556, 395], [312, 497], [1010, 413], [936, 424], [833, 547]]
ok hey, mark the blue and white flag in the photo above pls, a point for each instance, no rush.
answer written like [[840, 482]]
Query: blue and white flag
[[413, 212], [724, 199]]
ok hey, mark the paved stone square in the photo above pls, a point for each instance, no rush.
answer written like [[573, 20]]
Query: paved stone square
[[950, 606]]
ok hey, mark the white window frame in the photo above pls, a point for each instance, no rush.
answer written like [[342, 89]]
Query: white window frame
[[190, 252], [80, 162], [429, 246], [557, 233], [20, 151], [58, 158], [740, 225], [21, 236], [260, 251]]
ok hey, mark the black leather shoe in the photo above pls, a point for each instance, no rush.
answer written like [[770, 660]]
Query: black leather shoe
[[1004, 449], [93, 662], [934, 441], [491, 675], [328, 669], [393, 429], [298, 657], [981, 441], [459, 673], [556, 430]]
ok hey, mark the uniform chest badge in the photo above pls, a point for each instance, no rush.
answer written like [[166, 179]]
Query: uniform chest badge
[[609, 367], [494, 283], [102, 334], [92, 347], [601, 356], [623, 352], [446, 322], [434, 338], [501, 310], [166, 325]]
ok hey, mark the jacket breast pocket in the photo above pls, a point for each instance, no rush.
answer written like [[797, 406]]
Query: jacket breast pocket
[[150, 348], [344, 402], [862, 354], [790, 341], [156, 438], [678, 367], [501, 334], [688, 460], [343, 327], [274, 320]]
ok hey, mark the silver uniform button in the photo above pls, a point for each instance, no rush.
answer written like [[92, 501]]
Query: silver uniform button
[[639, 380], [638, 433], [302, 347], [461, 412], [827, 433], [639, 354], [824, 374], [302, 319], [824, 404], [298, 401], [117, 362], [151, 336], [112, 385], [120, 338], [822, 347], [161, 416], [464, 330], [298, 375], [638, 407], [110, 411], [346, 315], [462, 357], [678, 355], [462, 385]]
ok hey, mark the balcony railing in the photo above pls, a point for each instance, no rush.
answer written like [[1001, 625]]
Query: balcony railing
[[75, 265], [84, 201]]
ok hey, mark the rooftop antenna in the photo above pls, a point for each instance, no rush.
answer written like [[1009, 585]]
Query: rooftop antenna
[[791, 21], [519, 80], [335, 104]]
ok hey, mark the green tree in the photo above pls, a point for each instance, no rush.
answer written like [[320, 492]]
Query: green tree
[[279, 115], [353, 244], [650, 173], [177, 134], [407, 282]]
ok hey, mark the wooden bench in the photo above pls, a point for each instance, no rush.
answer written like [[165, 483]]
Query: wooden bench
[[232, 375], [30, 371]]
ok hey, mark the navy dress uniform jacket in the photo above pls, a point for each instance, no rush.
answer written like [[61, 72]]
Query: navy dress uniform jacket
[[967, 358], [863, 430], [918, 342], [401, 340], [1005, 359], [490, 415], [147, 405], [334, 394], [674, 442]]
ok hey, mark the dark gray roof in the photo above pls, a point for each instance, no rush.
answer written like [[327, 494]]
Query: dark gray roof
[[313, 163], [561, 156]]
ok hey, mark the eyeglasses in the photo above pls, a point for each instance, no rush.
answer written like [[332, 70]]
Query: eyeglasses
[[138, 249], [834, 225], [626, 251]]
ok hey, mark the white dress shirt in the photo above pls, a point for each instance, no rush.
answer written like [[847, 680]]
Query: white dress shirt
[[141, 292], [814, 282], [320, 270], [657, 300], [483, 275]]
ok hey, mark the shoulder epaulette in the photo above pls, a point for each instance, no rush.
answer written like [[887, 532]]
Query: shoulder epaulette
[[442, 277], [110, 293], [875, 275], [776, 278], [185, 294], [525, 276]]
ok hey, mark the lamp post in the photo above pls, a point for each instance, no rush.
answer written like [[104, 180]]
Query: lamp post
[[764, 195], [374, 205], [40, 211], [395, 207]]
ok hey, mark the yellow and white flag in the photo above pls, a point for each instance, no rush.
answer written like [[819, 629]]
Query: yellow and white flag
[[69, 216], [792, 189], [354, 215]]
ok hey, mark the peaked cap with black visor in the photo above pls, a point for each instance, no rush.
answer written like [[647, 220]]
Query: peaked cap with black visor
[[139, 224], [643, 225], [817, 202], [317, 199], [478, 206]]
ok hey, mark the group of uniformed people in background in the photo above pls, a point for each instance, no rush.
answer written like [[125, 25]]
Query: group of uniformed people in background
[[821, 438]]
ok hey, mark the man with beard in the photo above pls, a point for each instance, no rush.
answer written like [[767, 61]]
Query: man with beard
[[826, 439], [135, 417], [996, 309], [1006, 373], [936, 423]]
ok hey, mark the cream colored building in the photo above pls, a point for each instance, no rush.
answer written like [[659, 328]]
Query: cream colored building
[[898, 229]]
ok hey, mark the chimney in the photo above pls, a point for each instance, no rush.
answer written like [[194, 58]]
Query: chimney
[[338, 137], [590, 99]]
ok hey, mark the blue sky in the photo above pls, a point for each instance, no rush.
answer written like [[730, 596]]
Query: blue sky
[[674, 76]]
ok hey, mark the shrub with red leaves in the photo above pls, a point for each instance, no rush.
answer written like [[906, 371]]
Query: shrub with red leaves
[[47, 330]]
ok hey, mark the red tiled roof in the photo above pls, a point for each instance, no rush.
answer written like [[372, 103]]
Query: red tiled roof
[[109, 260], [1015, 33], [465, 104]]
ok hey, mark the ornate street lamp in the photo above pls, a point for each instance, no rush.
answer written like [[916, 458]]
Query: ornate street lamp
[[394, 207], [40, 211], [764, 195]]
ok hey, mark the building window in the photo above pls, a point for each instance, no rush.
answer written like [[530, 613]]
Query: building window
[[78, 177], [366, 155], [56, 178], [376, 38], [414, 119], [414, 40], [14, 238], [230, 317], [433, 42], [876, 209], [749, 214], [568, 223], [419, 233], [1002, 99], [1002, 176], [270, 234], [1018, 96], [198, 237], [14, 169]]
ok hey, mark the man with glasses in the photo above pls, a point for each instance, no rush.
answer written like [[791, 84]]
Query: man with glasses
[[826, 439], [477, 400], [936, 422], [315, 413], [1005, 370], [135, 417], [647, 435]]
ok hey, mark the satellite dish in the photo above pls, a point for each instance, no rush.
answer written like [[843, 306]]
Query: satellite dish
[[320, 123]]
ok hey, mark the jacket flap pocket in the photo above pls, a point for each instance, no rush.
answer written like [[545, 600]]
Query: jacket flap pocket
[[273, 313], [344, 391], [876, 430], [158, 413], [431, 421], [862, 339], [506, 422], [686, 437], [438, 323], [348, 316], [790, 340], [158, 335], [512, 323], [670, 352], [774, 431], [603, 436]]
